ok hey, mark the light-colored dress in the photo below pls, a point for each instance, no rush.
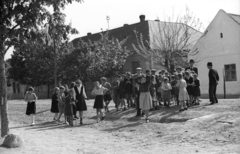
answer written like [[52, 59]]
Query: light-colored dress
[[61, 103], [183, 94]]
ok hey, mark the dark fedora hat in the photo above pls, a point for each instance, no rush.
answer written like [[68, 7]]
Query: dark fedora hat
[[209, 64], [191, 61]]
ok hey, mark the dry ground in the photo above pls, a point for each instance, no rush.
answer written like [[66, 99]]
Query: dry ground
[[202, 129]]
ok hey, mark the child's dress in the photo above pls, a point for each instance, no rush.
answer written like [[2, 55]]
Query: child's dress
[[183, 94], [197, 91], [69, 106], [153, 91], [166, 87], [190, 87], [61, 103], [99, 92], [174, 90], [31, 106], [54, 107]]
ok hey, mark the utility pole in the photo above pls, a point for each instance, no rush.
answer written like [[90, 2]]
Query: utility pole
[[108, 18]]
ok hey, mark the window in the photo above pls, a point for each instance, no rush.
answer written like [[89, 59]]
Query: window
[[221, 35], [230, 72], [135, 65]]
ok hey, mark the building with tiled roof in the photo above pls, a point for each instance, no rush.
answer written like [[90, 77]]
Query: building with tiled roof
[[148, 29], [220, 44]]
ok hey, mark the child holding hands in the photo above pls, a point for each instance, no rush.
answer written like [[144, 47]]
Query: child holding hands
[[99, 91], [166, 87]]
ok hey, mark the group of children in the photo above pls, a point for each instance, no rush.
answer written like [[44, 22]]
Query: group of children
[[145, 92]]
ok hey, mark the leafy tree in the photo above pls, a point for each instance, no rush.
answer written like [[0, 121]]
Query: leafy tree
[[16, 19], [94, 59], [171, 40]]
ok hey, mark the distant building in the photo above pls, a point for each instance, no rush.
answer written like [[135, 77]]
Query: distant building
[[149, 29], [220, 44]]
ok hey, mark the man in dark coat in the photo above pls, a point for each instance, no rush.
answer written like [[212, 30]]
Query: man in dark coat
[[191, 68], [213, 82]]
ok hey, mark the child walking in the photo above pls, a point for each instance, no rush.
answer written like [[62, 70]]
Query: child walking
[[31, 99], [145, 99], [99, 91], [69, 101], [166, 87], [61, 104], [174, 90], [183, 94], [54, 107], [196, 88]]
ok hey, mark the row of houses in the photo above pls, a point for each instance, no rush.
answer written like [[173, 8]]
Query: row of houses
[[219, 44]]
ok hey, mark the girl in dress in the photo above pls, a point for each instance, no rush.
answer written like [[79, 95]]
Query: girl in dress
[[115, 91], [166, 87], [174, 91], [145, 99], [31, 98], [196, 87], [99, 91], [54, 107], [69, 100], [72, 85], [189, 81], [183, 94], [61, 104], [107, 97], [153, 92]]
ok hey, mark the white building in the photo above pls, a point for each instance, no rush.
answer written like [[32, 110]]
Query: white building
[[220, 44]]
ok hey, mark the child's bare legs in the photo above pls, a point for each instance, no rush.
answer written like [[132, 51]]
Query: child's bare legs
[[59, 116], [98, 117], [190, 100], [123, 104], [33, 119], [146, 114], [55, 116], [81, 116], [106, 105], [101, 114], [71, 120]]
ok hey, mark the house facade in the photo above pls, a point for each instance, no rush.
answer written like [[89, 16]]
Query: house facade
[[220, 44]]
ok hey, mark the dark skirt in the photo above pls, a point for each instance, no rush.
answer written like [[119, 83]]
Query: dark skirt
[[54, 108], [81, 103], [68, 109], [174, 91], [166, 95], [98, 103], [107, 97], [31, 108], [190, 90], [197, 91]]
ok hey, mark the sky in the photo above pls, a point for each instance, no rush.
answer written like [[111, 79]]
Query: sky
[[90, 15]]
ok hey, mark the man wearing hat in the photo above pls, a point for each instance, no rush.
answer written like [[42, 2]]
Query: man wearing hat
[[191, 63], [213, 82]]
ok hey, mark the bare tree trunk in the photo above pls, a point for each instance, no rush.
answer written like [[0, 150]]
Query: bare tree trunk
[[55, 64], [3, 97]]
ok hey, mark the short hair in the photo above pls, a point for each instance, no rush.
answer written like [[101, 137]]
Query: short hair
[[147, 71], [195, 75], [180, 75], [173, 76], [78, 81], [72, 84], [95, 82], [103, 79], [187, 73], [62, 87], [30, 89], [56, 89], [165, 79]]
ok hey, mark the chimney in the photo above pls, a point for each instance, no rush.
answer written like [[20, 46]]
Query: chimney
[[125, 25], [142, 18], [88, 34]]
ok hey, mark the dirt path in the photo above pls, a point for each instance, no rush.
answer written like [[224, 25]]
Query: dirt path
[[122, 133]]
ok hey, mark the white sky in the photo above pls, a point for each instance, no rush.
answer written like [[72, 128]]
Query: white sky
[[90, 16]]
